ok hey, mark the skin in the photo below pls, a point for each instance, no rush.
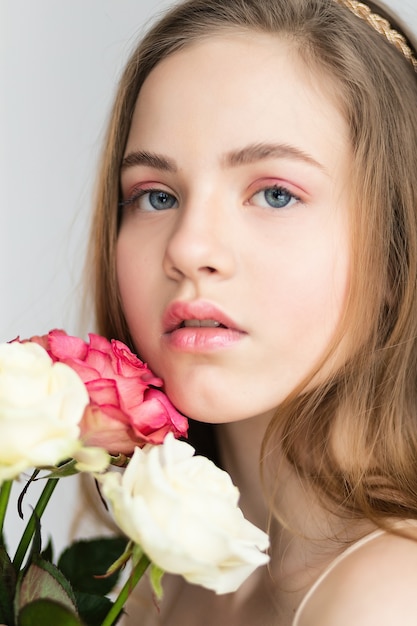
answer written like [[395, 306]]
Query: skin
[[278, 274]]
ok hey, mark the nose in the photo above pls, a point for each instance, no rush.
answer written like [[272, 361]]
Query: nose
[[200, 243]]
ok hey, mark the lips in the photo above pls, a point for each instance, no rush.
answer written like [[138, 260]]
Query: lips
[[198, 314], [199, 327]]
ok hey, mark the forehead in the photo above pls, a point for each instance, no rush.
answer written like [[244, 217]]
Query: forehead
[[244, 87]]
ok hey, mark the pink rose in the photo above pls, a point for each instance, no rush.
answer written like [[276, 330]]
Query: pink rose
[[125, 409]]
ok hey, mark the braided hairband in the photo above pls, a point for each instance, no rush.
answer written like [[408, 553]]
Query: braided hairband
[[382, 26]]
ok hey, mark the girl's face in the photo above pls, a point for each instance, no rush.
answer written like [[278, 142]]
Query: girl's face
[[233, 257]]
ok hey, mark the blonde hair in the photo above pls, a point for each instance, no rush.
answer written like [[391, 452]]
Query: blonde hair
[[370, 402]]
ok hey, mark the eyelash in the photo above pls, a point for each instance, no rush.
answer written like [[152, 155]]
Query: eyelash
[[140, 193], [280, 189]]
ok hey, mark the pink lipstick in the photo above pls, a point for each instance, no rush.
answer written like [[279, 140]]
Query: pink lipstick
[[199, 327]]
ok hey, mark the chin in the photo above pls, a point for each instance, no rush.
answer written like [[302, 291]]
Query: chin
[[200, 414], [207, 412], [190, 404]]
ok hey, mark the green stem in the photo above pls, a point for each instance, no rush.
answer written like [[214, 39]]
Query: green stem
[[127, 589], [31, 525], [4, 500]]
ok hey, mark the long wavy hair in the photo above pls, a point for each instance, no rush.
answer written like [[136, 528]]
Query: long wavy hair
[[369, 404]]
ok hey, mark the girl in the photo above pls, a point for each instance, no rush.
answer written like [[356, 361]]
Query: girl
[[255, 241]]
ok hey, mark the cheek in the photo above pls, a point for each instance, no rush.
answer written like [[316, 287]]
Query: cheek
[[132, 281], [125, 272], [328, 293], [313, 296], [309, 286], [139, 287]]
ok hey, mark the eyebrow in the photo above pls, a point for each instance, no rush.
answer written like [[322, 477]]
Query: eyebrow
[[261, 151], [141, 157], [235, 158]]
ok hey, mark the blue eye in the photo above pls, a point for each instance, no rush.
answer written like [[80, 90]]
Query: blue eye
[[160, 200], [151, 200], [274, 197]]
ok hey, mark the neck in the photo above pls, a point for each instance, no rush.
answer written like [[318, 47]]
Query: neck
[[239, 446], [315, 535]]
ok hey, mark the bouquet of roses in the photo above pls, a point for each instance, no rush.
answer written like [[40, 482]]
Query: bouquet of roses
[[67, 406]]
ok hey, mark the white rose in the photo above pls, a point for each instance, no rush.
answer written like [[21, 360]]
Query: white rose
[[41, 404], [183, 511]]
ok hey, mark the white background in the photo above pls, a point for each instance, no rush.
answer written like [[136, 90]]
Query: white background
[[59, 62]]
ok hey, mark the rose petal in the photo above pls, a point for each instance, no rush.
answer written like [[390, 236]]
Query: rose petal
[[64, 346], [118, 384]]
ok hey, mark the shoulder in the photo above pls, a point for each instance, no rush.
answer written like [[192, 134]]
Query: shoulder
[[375, 585]]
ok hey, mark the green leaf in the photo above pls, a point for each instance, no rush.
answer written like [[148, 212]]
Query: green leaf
[[121, 561], [43, 580], [92, 608], [7, 588], [47, 553], [64, 470], [84, 560], [48, 613], [121, 460], [59, 577], [155, 577]]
